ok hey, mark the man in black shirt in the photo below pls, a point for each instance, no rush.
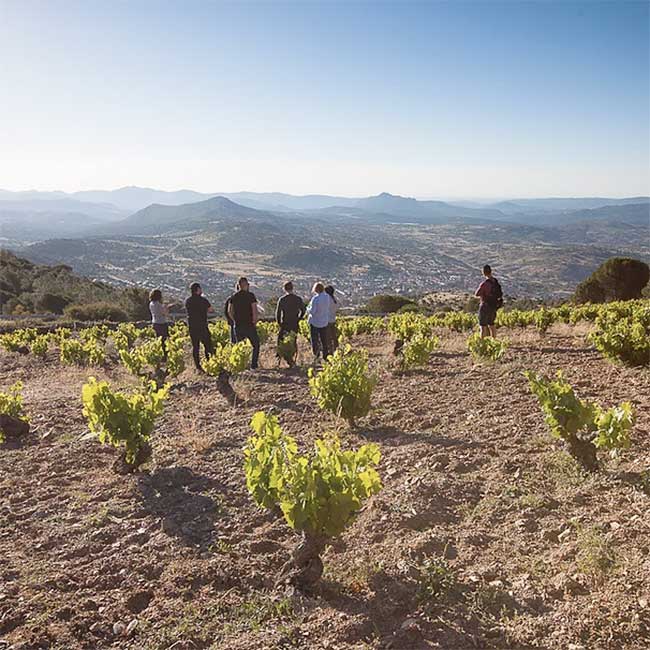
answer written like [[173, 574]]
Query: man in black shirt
[[197, 308], [243, 312], [226, 315], [290, 310]]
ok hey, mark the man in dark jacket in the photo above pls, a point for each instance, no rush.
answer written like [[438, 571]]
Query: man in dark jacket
[[290, 310], [243, 312], [197, 308]]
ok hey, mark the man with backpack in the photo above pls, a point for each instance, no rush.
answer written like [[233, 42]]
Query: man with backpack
[[491, 297]]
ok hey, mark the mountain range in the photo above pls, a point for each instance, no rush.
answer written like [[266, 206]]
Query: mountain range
[[368, 245]]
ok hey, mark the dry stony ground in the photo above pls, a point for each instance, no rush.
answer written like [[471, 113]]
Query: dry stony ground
[[485, 535]]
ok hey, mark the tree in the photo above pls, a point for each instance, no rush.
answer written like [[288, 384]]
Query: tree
[[388, 304], [50, 302], [619, 278], [96, 311]]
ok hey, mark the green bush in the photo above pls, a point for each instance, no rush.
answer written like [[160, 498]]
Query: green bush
[[623, 338], [11, 404], [619, 278], [288, 348], [344, 385], [417, 351], [486, 348], [231, 358], [388, 304], [584, 426], [76, 352], [122, 419], [96, 311], [318, 495], [50, 302]]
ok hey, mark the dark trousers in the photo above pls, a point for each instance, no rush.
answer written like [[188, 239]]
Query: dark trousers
[[198, 337], [319, 341], [243, 333], [332, 337], [287, 329], [162, 332]]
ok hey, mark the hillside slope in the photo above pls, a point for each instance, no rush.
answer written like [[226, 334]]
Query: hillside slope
[[36, 288], [485, 534]]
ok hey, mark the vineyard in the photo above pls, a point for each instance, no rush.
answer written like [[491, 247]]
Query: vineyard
[[423, 488]]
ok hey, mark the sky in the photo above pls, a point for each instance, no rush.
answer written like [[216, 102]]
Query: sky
[[428, 99]]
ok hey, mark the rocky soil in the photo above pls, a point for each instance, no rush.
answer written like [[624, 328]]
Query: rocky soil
[[485, 535]]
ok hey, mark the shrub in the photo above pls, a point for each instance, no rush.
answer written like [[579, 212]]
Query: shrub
[[304, 330], [219, 333], [148, 362], [318, 495], [122, 419], [584, 426], [74, 352], [96, 311], [619, 278], [410, 307], [418, 350], [96, 333], [405, 326], [388, 304], [344, 386], [288, 348], [231, 358], [19, 340], [267, 330], [486, 348], [40, 345], [126, 334], [623, 338], [50, 302], [11, 404], [349, 327], [457, 321], [544, 318]]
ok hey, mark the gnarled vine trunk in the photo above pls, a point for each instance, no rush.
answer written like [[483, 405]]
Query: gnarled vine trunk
[[584, 451], [305, 567], [144, 455], [225, 389]]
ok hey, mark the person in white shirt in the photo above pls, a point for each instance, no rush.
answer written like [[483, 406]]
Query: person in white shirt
[[318, 315], [332, 332], [159, 317]]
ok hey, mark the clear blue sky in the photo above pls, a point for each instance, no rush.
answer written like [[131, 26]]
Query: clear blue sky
[[447, 99]]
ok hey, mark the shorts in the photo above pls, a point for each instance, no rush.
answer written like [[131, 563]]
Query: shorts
[[486, 315]]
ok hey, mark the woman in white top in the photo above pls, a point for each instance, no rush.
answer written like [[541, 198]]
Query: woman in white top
[[332, 332], [159, 317]]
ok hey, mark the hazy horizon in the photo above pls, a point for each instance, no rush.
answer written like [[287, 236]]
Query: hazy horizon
[[495, 100], [468, 198]]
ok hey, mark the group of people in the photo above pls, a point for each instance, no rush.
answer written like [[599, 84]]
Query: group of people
[[241, 313]]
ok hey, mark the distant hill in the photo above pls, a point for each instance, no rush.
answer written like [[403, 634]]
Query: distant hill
[[135, 198], [162, 218], [625, 213], [563, 204], [113, 205], [101, 211]]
